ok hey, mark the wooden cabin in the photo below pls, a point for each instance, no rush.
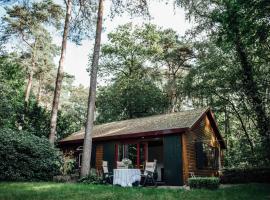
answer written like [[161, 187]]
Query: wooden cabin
[[182, 143]]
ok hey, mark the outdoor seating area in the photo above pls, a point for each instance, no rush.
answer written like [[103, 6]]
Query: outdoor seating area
[[126, 176]]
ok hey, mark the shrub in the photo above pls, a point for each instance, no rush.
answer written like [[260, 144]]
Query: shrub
[[92, 178], [203, 182], [245, 175], [69, 166], [27, 157]]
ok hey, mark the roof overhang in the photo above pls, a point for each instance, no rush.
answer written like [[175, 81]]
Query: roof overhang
[[130, 135]]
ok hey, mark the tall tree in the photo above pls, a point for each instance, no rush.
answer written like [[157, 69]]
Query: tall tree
[[28, 21], [175, 56], [130, 97], [76, 30], [220, 88], [240, 27], [129, 51], [87, 144], [60, 73]]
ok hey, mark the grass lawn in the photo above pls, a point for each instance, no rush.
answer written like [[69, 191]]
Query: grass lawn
[[62, 191]]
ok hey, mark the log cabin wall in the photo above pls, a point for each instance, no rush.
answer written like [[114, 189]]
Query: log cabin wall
[[99, 156], [203, 131], [185, 158]]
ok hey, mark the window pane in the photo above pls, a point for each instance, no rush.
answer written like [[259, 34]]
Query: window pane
[[208, 156], [120, 152], [131, 153]]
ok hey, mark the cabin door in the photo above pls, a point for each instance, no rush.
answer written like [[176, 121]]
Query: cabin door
[[172, 158], [108, 154]]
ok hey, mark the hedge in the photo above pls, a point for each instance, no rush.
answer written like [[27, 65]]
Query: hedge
[[24, 156], [203, 183], [245, 175]]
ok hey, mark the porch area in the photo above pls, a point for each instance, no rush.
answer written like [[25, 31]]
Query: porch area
[[165, 151]]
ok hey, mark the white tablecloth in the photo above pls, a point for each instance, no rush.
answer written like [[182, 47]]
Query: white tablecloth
[[125, 177]]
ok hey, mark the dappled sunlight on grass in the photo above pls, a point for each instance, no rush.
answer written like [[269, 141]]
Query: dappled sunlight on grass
[[45, 187]]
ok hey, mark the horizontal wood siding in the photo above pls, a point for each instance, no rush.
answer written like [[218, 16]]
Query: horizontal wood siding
[[201, 132], [185, 158], [99, 156]]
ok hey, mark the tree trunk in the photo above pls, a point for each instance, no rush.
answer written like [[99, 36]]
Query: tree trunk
[[30, 78], [60, 75], [173, 98], [87, 145], [39, 90], [28, 87]]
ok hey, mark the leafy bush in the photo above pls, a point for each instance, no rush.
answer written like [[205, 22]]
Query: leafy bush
[[92, 178], [27, 157], [204, 182], [245, 175], [69, 166]]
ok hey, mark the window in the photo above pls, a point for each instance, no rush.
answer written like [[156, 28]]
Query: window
[[206, 156], [134, 151]]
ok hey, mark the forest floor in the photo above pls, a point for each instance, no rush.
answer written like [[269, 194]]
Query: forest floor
[[75, 191]]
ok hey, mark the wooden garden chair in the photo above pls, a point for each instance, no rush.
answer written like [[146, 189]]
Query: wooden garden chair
[[148, 174], [192, 175], [107, 176]]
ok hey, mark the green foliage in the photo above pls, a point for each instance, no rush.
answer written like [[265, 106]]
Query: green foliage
[[27, 20], [129, 98], [146, 65], [231, 73], [203, 183], [92, 178], [72, 115], [27, 157], [69, 166], [36, 118], [37, 121], [128, 51], [245, 175], [11, 90], [221, 88]]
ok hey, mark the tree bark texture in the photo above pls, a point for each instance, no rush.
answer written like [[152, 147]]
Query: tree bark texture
[[60, 75], [87, 145], [28, 87], [30, 78]]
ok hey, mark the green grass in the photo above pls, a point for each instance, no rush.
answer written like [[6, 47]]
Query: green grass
[[62, 191]]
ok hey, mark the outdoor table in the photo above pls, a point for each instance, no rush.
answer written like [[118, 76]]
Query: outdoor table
[[125, 177]]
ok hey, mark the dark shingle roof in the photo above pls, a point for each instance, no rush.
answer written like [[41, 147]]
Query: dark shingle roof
[[184, 119]]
